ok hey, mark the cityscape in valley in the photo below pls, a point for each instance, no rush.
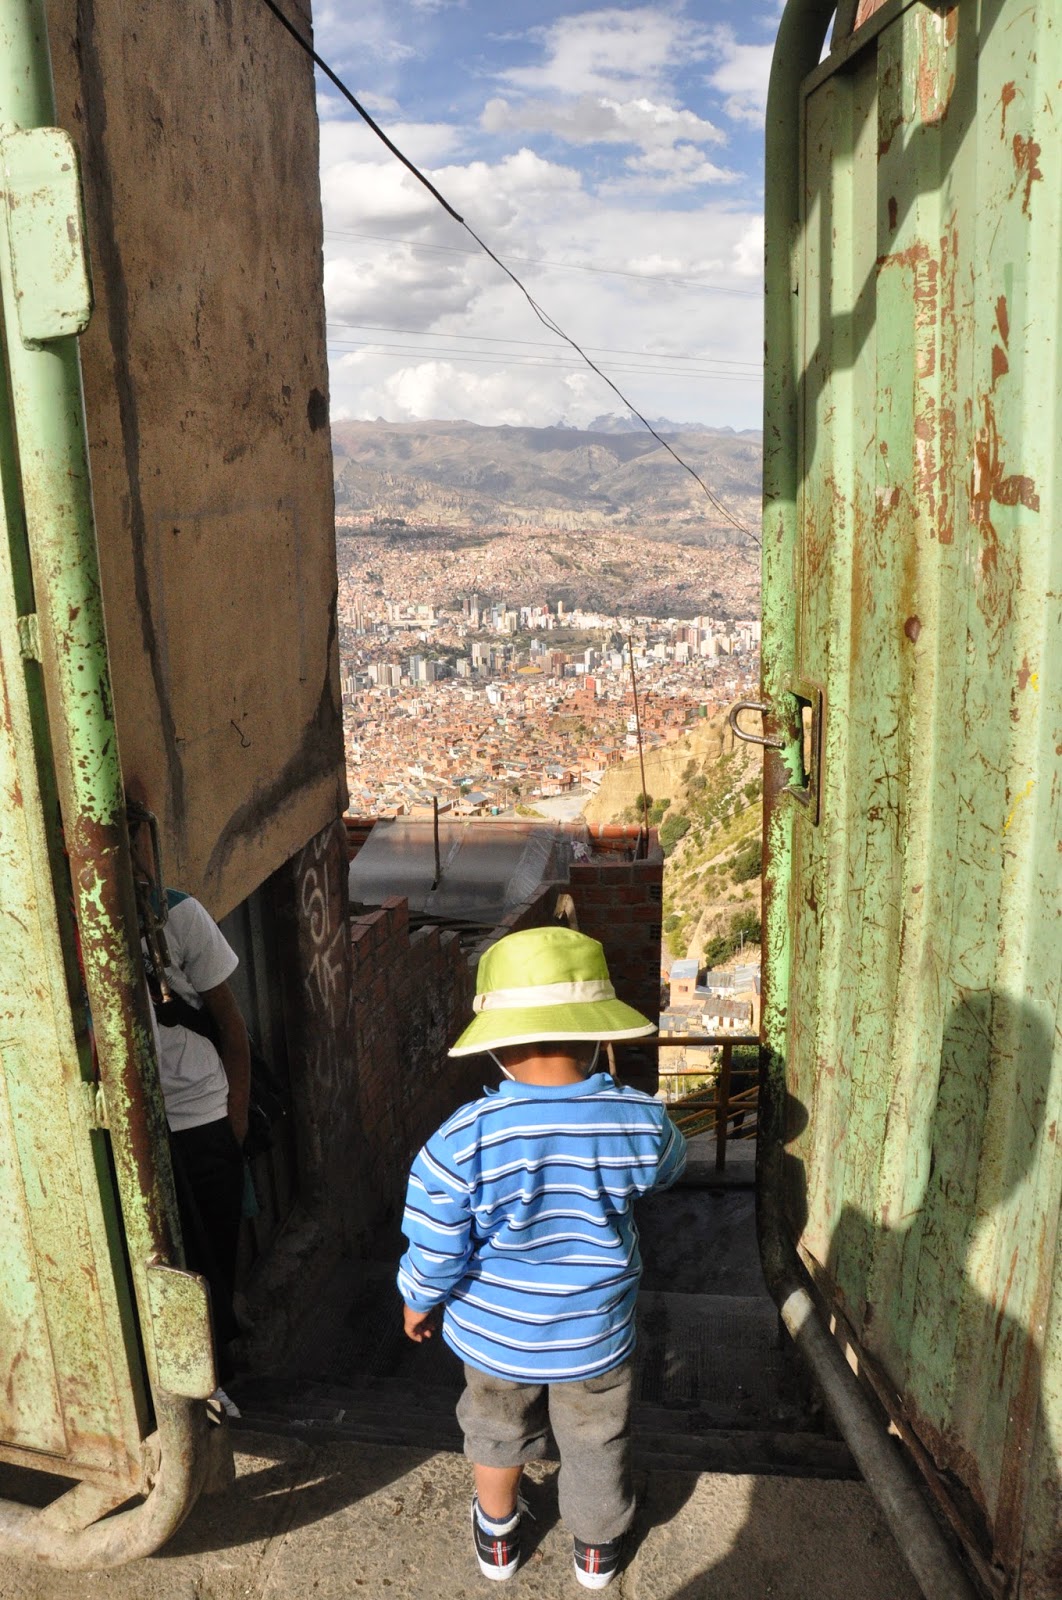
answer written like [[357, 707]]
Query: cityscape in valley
[[487, 699], [487, 667]]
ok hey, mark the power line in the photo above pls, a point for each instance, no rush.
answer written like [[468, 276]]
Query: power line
[[753, 368], [543, 316], [485, 357], [544, 261]]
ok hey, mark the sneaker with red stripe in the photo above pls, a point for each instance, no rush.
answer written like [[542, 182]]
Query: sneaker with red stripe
[[597, 1564], [498, 1554]]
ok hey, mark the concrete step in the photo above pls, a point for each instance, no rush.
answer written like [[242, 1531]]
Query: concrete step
[[719, 1354], [664, 1439], [716, 1389]]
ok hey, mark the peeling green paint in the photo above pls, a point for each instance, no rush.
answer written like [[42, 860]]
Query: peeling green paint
[[913, 490], [79, 1237]]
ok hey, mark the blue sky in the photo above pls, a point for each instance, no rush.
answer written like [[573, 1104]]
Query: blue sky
[[612, 155]]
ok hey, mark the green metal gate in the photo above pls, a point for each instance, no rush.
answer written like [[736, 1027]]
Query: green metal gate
[[912, 650], [105, 1345]]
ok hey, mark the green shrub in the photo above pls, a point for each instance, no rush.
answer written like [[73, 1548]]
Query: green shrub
[[675, 828], [748, 864], [745, 925]]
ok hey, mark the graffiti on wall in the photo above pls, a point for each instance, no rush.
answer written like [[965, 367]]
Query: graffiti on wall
[[324, 968]]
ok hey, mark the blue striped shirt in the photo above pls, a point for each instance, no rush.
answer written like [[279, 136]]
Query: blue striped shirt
[[519, 1219]]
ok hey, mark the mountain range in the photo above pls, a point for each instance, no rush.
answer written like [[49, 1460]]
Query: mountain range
[[613, 476]]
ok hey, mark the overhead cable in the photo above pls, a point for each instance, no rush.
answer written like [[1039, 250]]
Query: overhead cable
[[544, 363], [539, 311], [544, 344]]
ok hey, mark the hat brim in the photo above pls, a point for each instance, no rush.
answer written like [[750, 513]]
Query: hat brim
[[597, 1020]]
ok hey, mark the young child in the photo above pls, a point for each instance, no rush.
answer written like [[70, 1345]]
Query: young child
[[520, 1225]]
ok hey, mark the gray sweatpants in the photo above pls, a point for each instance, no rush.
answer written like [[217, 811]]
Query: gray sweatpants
[[505, 1425]]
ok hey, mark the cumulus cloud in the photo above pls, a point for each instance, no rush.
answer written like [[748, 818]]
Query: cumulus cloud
[[376, 35], [668, 171], [331, 106], [395, 285], [425, 143], [443, 390], [742, 75], [371, 196], [597, 119], [610, 51], [699, 349], [640, 242], [748, 251]]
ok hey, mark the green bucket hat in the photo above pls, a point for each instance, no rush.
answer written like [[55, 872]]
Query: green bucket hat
[[546, 984]]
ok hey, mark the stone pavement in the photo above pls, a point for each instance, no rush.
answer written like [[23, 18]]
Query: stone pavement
[[349, 1520]]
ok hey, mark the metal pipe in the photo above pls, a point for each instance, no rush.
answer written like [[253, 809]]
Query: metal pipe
[[641, 752], [888, 1474], [44, 378], [128, 1535], [801, 36]]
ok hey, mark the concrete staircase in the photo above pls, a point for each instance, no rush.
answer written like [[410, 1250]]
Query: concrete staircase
[[718, 1387]]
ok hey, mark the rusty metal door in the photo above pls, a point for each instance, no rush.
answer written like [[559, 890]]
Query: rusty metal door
[[105, 1343], [912, 650]]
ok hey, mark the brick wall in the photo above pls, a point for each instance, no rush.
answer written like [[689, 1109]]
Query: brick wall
[[412, 996], [618, 900]]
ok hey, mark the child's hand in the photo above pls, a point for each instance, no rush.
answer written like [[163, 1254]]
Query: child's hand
[[419, 1325]]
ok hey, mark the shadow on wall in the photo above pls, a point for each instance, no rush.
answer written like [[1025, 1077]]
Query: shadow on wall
[[942, 1282]]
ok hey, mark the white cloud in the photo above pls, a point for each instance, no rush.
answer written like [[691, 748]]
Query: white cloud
[[597, 119], [742, 76], [393, 285], [668, 171], [365, 195], [375, 34], [714, 339], [610, 51], [425, 143], [748, 251], [331, 106], [442, 390], [638, 193]]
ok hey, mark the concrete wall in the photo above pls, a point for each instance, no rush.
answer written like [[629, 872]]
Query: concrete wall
[[206, 394]]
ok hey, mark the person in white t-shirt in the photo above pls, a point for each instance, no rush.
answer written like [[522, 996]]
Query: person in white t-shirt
[[205, 1073]]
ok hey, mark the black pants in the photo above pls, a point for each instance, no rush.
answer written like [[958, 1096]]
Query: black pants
[[208, 1172]]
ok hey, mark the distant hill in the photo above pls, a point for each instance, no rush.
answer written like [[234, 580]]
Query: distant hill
[[459, 474], [706, 794]]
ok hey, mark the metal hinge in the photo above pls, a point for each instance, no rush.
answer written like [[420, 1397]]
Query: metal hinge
[[179, 1307], [46, 234], [95, 1104], [29, 636]]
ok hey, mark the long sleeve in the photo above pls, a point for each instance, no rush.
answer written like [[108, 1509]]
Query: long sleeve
[[438, 1225], [672, 1161]]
